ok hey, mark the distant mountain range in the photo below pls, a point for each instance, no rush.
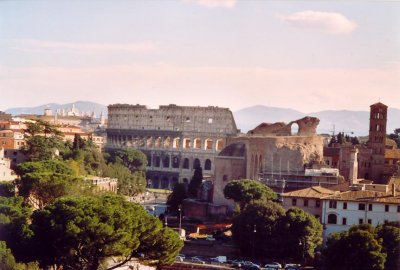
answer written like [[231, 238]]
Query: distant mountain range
[[346, 121], [82, 106], [350, 122]]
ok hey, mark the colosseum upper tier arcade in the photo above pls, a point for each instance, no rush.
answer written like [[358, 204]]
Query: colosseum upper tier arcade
[[174, 138]]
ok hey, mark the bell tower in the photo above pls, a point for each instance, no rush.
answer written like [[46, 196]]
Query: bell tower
[[377, 139]]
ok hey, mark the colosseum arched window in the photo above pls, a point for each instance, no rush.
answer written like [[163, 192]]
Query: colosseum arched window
[[220, 145], [208, 145], [207, 165], [185, 163], [176, 142], [197, 143]]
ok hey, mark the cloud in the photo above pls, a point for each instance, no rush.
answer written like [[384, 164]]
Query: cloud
[[328, 22], [47, 46], [214, 3]]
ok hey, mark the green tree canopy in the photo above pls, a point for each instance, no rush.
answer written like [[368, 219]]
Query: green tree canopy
[[14, 226], [245, 191], [42, 182], [7, 260], [262, 217], [81, 232], [43, 140], [354, 249], [7, 188], [195, 182], [300, 234], [176, 197], [390, 234], [134, 159]]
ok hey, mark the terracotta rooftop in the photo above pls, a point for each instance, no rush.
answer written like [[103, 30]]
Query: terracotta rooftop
[[392, 153], [365, 196], [312, 192]]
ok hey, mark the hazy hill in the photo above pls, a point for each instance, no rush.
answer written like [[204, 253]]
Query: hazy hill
[[82, 106], [342, 121], [250, 117]]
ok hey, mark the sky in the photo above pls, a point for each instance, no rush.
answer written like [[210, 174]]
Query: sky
[[305, 55]]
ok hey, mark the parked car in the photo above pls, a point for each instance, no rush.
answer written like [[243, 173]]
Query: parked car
[[197, 260], [237, 263], [179, 259], [250, 266], [273, 265], [292, 266]]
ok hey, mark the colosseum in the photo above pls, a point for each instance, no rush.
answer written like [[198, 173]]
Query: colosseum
[[175, 139]]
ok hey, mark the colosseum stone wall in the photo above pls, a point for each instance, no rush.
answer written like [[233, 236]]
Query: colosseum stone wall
[[174, 138]]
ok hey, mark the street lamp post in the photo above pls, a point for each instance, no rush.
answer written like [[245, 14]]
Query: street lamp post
[[180, 219], [254, 238]]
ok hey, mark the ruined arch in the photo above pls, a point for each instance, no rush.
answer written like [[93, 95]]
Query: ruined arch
[[294, 128]]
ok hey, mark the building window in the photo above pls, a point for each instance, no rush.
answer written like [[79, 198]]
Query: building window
[[369, 207], [344, 221], [332, 219], [360, 221], [332, 204], [386, 208], [361, 206], [318, 203], [345, 205], [305, 202], [398, 209], [369, 221], [294, 202], [225, 178]]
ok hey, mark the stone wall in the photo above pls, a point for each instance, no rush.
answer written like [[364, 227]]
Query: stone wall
[[175, 139]]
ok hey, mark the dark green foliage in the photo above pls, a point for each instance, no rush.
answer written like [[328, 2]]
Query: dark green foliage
[[42, 182], [246, 190], [134, 159], [340, 138], [300, 234], [42, 141], [89, 160], [262, 216], [396, 136], [7, 260], [14, 226], [128, 166], [176, 197], [129, 183], [390, 235], [278, 234], [195, 182], [7, 189], [81, 232], [354, 249]]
